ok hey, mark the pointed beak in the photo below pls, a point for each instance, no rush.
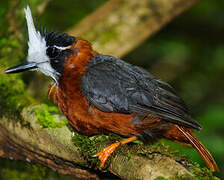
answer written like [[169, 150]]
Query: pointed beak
[[21, 67]]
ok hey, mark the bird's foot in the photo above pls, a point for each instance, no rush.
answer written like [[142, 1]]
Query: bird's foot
[[106, 152]]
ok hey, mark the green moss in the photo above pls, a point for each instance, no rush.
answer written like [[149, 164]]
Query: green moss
[[198, 173], [89, 146], [12, 97], [174, 178], [12, 90], [150, 150], [46, 117], [11, 51], [202, 173], [161, 178], [160, 148]]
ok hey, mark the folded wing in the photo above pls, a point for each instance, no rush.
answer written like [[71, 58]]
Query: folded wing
[[112, 85]]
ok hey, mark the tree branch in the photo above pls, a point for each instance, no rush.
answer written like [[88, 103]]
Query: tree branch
[[28, 140], [16, 147], [119, 26]]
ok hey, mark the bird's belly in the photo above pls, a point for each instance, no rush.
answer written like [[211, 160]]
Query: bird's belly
[[91, 121], [88, 120]]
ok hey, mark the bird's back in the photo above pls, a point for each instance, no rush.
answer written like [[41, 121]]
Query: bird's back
[[112, 85]]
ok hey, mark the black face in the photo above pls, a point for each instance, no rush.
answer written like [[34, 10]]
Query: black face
[[57, 57], [56, 50]]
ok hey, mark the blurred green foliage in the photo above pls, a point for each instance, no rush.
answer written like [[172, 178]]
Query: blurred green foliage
[[19, 170], [188, 53]]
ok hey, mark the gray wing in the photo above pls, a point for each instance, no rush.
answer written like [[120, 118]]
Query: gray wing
[[113, 85]]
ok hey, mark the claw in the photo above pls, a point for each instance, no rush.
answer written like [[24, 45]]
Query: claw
[[105, 153]]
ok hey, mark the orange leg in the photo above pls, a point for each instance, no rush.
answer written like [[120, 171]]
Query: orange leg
[[107, 151]]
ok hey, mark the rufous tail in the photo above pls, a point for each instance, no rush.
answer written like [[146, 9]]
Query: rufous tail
[[203, 152]]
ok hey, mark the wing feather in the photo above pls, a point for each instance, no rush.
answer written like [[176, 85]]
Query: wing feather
[[113, 85]]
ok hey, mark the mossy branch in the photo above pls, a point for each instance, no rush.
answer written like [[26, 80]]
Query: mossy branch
[[68, 153]]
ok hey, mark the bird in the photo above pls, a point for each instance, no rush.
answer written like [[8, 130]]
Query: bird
[[102, 94]]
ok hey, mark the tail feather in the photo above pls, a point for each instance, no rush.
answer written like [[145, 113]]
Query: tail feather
[[203, 152]]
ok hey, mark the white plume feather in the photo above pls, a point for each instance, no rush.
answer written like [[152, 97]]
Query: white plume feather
[[37, 48], [36, 41]]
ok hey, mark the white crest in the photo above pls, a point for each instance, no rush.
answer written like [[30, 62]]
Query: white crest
[[37, 48]]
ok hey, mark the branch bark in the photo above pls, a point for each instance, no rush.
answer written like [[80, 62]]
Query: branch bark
[[34, 144], [119, 26], [27, 140]]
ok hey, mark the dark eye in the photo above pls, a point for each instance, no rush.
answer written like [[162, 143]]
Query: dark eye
[[52, 52]]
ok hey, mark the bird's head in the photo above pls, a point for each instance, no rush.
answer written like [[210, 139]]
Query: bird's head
[[47, 51]]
